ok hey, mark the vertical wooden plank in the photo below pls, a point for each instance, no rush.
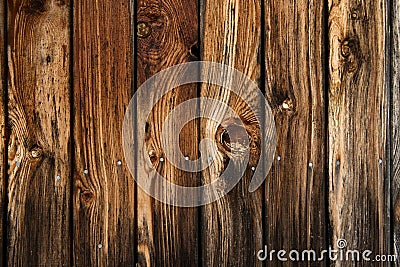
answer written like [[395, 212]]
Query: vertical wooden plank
[[167, 34], [231, 227], [3, 159], [358, 124], [103, 199], [395, 116], [39, 121], [295, 190]]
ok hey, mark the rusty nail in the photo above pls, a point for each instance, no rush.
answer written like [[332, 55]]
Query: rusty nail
[[143, 29]]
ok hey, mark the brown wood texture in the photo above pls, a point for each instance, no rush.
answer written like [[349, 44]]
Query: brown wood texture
[[39, 125], [358, 124], [103, 197], [68, 69], [231, 227], [395, 116], [3, 159], [296, 187], [167, 34]]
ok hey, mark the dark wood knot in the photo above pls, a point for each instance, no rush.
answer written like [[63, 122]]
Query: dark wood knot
[[36, 152], [87, 197], [351, 54], [194, 52], [36, 7]]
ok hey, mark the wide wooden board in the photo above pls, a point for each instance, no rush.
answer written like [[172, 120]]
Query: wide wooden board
[[167, 34], [294, 76], [358, 125], [103, 198], [39, 160]]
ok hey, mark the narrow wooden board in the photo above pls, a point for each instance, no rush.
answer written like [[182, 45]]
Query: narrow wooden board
[[395, 116], [167, 34], [103, 199], [39, 124], [3, 159], [358, 106], [231, 227], [295, 189]]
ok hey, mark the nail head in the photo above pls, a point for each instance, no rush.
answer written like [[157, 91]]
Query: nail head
[[85, 171], [99, 245], [119, 163], [143, 29]]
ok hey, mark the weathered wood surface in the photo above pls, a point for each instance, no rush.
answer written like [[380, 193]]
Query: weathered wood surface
[[3, 159], [395, 116], [167, 34], [294, 76], [232, 226], [39, 125], [103, 198], [328, 69], [358, 124]]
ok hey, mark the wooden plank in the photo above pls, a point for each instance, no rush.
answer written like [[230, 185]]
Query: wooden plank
[[3, 159], [395, 116], [231, 227], [295, 190], [167, 35], [39, 142], [358, 124], [103, 200]]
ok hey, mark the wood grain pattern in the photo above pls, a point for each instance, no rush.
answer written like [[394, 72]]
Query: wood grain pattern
[[68, 70], [3, 158], [39, 121], [395, 116], [358, 124], [295, 189], [167, 35], [231, 227], [103, 199]]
